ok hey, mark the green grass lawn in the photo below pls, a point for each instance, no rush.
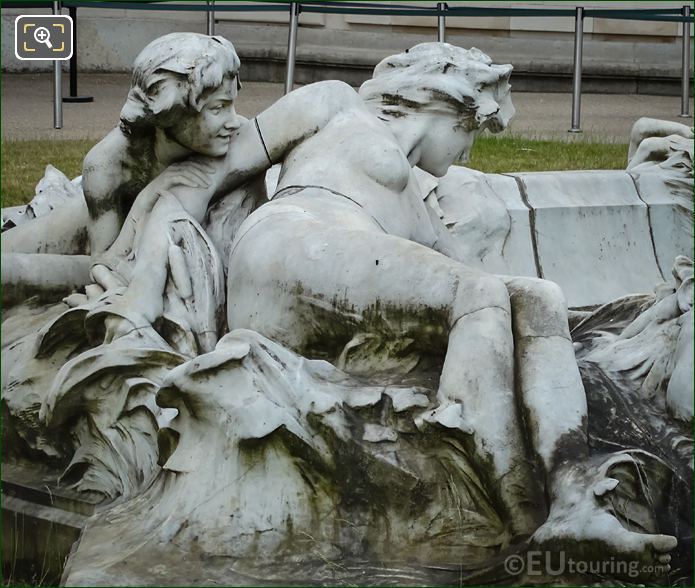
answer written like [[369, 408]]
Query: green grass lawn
[[24, 162], [513, 154]]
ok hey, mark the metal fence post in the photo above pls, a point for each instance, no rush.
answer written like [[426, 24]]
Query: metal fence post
[[685, 83], [73, 97], [210, 17], [292, 46], [577, 78], [57, 84], [441, 22]]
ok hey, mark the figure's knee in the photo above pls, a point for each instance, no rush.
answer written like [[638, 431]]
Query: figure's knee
[[538, 291], [539, 307], [478, 292]]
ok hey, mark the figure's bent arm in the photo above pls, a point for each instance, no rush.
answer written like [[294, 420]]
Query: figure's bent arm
[[302, 113], [260, 143], [103, 187], [652, 127], [265, 141]]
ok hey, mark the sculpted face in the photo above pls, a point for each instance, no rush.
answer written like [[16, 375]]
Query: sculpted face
[[448, 135], [208, 132], [454, 93], [443, 143]]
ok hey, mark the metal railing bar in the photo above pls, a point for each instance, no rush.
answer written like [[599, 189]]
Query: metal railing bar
[[183, 7], [646, 11], [363, 4], [210, 18], [295, 9], [655, 18], [441, 22], [577, 70], [441, 10], [57, 85], [317, 9], [656, 14], [685, 65]]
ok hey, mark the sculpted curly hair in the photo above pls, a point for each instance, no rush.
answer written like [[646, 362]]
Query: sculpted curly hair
[[439, 76], [173, 74]]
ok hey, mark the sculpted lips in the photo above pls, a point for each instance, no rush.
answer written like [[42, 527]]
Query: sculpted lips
[[223, 138]]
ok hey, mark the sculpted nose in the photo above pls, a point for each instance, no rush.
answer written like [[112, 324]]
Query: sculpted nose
[[233, 122]]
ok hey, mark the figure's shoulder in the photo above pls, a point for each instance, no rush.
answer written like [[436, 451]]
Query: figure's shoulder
[[331, 96], [333, 89], [110, 152], [105, 165]]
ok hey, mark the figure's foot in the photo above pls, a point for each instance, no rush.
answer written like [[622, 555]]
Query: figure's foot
[[584, 525], [598, 540], [116, 327], [115, 318]]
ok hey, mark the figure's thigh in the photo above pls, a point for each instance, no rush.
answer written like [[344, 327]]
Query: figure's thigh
[[538, 306], [62, 231], [298, 281]]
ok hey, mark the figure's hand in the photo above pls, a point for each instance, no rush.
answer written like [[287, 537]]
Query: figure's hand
[[646, 128], [194, 174], [660, 151], [103, 279]]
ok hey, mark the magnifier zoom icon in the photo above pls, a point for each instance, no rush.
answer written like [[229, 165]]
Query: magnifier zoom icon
[[42, 35]]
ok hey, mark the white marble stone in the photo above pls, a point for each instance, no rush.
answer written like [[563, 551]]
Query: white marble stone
[[605, 228], [334, 363]]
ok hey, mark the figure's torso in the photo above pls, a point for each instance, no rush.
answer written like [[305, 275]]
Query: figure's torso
[[356, 155]]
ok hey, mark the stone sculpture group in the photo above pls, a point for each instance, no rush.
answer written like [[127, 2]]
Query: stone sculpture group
[[320, 382]]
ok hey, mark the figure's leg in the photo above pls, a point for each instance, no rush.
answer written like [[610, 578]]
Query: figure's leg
[[292, 278], [143, 298], [551, 387], [62, 231], [554, 403]]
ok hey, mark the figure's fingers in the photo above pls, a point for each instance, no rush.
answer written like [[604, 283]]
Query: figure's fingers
[[204, 166], [93, 291], [181, 180], [148, 199], [197, 176], [201, 166], [105, 277], [46, 410], [663, 543], [191, 169], [75, 300]]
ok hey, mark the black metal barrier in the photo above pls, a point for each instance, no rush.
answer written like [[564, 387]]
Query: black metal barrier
[[440, 12]]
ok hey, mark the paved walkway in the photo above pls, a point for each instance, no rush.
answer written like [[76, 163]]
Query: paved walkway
[[27, 109]]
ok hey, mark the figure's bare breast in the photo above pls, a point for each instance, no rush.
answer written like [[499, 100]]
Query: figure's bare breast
[[357, 156]]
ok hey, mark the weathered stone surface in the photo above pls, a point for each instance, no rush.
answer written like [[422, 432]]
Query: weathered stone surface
[[593, 233], [376, 409], [63, 231]]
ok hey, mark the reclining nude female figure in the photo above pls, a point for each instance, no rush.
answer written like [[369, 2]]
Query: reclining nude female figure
[[347, 245]]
